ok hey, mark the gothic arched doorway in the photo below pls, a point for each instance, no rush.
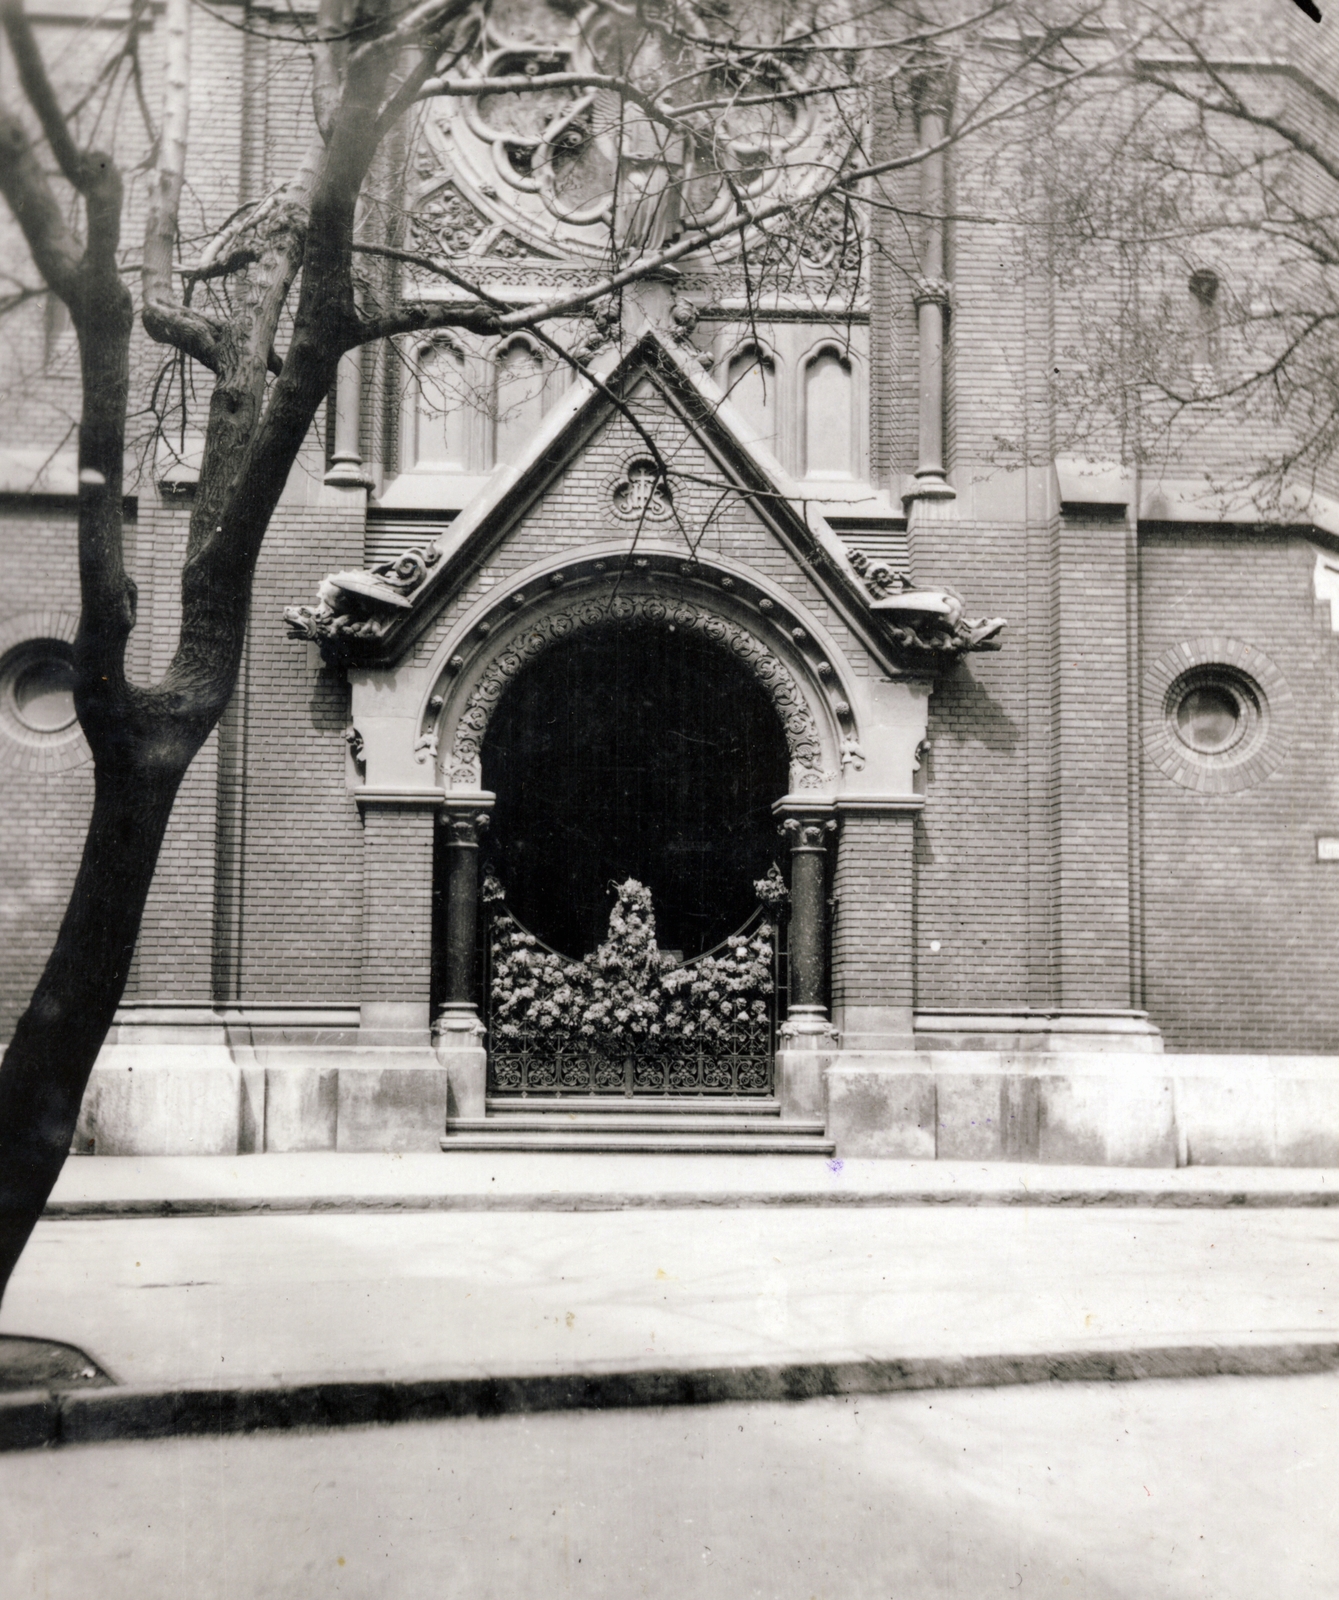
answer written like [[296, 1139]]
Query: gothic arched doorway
[[628, 751]]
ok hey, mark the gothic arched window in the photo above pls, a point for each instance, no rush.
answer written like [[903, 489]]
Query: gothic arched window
[[518, 397], [752, 388], [829, 416], [441, 410]]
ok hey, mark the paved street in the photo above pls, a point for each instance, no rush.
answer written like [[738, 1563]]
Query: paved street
[[256, 1299], [1202, 1489], [1213, 1489]]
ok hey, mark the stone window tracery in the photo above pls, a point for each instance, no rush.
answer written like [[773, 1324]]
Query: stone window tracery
[[751, 383], [593, 172], [441, 407]]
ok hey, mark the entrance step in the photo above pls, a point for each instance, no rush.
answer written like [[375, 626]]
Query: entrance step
[[622, 1105], [618, 1122], [501, 1135]]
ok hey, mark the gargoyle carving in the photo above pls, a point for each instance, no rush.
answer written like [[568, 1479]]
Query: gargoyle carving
[[360, 605], [924, 624]]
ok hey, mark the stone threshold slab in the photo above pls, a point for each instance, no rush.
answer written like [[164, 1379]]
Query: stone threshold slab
[[39, 1419], [332, 1183]]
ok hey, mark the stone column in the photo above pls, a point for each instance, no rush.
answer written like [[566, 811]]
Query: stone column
[[932, 294], [808, 836], [806, 1031], [346, 467], [458, 1030]]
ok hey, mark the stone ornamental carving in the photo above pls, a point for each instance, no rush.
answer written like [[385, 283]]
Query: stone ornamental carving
[[462, 829], [925, 626], [569, 166], [360, 606], [801, 730], [640, 494]]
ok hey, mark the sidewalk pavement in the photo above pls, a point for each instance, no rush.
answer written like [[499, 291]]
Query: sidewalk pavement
[[464, 1180], [381, 1288]]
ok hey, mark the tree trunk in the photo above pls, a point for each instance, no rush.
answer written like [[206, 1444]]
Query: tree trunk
[[47, 1065]]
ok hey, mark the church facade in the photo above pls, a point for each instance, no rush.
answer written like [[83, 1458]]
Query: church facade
[[736, 747]]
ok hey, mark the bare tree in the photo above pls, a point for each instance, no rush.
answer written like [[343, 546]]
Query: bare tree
[[686, 110], [1190, 208]]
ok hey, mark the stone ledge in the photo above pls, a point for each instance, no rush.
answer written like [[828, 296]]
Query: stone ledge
[[1036, 1030]]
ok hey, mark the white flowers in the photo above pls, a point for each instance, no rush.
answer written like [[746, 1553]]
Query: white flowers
[[626, 989]]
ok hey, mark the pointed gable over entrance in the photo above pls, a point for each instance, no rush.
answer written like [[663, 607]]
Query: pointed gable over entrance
[[642, 491]]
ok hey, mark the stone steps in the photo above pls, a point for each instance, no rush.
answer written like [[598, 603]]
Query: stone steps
[[620, 1123], [486, 1135], [622, 1105]]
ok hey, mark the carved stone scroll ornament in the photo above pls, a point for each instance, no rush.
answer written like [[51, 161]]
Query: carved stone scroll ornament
[[360, 605], [802, 737], [926, 626]]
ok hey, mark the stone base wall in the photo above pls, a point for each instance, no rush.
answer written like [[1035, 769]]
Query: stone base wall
[[1104, 1108]]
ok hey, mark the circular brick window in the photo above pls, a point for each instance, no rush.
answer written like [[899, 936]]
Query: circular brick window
[[40, 687], [1215, 715], [38, 727]]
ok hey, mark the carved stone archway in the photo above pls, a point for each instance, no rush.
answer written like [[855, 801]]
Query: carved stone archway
[[762, 633], [747, 618]]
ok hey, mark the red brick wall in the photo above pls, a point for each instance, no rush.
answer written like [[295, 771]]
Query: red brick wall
[[975, 860], [45, 812], [1241, 920], [872, 923], [292, 910], [397, 890]]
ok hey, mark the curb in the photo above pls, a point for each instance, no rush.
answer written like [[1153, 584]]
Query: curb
[[392, 1204], [43, 1419]]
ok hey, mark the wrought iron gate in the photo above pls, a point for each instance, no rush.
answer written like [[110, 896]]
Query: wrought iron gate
[[736, 1061]]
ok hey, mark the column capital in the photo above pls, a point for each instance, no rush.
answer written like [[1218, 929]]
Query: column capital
[[464, 817], [808, 835], [463, 828], [932, 87], [932, 292]]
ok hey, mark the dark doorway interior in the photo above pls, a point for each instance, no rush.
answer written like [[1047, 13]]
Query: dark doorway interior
[[640, 752]]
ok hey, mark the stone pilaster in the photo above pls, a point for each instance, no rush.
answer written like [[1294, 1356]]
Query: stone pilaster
[[932, 294], [872, 954], [395, 1097]]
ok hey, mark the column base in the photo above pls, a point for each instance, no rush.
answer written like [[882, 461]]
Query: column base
[[458, 1036]]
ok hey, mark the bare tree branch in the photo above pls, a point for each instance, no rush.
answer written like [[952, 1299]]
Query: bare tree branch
[[166, 318], [39, 93]]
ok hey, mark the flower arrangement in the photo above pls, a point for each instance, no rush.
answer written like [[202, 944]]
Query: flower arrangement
[[628, 989]]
